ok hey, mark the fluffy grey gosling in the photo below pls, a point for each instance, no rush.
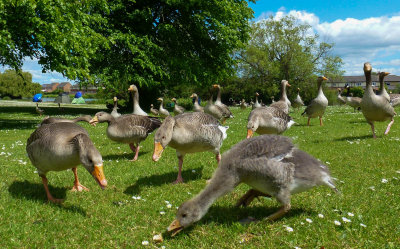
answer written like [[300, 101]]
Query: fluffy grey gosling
[[270, 164]]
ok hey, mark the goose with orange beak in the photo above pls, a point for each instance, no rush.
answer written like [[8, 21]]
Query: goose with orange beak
[[283, 103], [189, 133], [62, 146]]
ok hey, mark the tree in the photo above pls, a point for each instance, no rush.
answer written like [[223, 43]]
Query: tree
[[17, 85], [286, 49], [119, 42]]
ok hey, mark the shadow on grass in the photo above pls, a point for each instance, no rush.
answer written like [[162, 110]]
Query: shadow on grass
[[350, 138], [51, 111], [127, 156], [230, 215], [158, 180], [20, 124], [35, 192]]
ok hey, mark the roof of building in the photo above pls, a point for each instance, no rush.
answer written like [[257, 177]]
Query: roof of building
[[349, 79]]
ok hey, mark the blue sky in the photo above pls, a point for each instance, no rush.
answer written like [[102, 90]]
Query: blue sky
[[361, 30]]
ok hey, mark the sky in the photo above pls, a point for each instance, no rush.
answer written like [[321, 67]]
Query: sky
[[361, 31]]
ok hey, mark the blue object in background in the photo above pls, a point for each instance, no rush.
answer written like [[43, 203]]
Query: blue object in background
[[78, 95], [37, 97]]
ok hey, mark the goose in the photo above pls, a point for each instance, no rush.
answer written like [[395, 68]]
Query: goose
[[216, 111], [62, 146], [114, 112], [243, 104], [375, 107], [220, 104], [382, 89], [256, 105], [177, 109], [352, 101], [298, 102], [153, 111], [161, 110], [49, 120], [196, 106], [318, 105], [268, 120], [395, 102], [283, 103], [189, 133], [270, 164], [39, 110], [135, 97], [130, 128], [340, 98]]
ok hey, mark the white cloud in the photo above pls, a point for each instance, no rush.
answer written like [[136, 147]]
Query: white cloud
[[374, 39]]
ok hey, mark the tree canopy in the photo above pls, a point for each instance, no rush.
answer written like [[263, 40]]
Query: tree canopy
[[119, 42], [285, 49], [17, 85]]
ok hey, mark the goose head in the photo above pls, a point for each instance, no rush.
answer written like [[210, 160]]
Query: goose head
[[367, 67], [132, 88], [100, 117], [162, 137], [160, 99], [252, 126], [322, 78], [216, 86], [115, 99], [173, 100], [286, 83], [383, 74], [188, 213], [92, 161], [151, 105], [257, 94]]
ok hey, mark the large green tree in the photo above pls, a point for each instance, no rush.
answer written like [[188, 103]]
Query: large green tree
[[119, 42], [286, 49], [17, 85]]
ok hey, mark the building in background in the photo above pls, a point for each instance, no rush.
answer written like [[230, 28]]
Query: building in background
[[392, 82]]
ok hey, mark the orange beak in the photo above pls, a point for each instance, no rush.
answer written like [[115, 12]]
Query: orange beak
[[130, 88], [158, 150], [98, 174], [249, 133], [175, 227], [324, 78], [192, 96], [288, 84], [386, 73], [215, 85], [94, 121]]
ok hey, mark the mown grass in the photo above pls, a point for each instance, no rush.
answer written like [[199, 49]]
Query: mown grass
[[112, 218]]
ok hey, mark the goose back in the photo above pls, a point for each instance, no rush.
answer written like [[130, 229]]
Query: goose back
[[268, 120]]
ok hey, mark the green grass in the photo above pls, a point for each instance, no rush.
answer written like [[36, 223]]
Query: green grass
[[112, 218]]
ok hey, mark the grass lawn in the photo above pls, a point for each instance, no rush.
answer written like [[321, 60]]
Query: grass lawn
[[367, 172]]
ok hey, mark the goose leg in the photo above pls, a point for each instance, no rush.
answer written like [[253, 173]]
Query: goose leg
[[388, 127], [179, 179], [247, 198], [320, 121], [135, 150], [373, 129], [77, 186], [283, 197], [49, 196], [308, 122], [218, 157]]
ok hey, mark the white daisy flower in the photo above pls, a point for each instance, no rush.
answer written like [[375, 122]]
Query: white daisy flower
[[363, 225], [309, 220], [350, 214], [289, 229], [346, 220], [337, 223], [384, 180], [321, 216], [145, 243]]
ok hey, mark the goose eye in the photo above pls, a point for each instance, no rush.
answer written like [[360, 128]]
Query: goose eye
[[163, 137], [183, 215]]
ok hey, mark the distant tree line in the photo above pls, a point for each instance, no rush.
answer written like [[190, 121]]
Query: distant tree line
[[17, 85]]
